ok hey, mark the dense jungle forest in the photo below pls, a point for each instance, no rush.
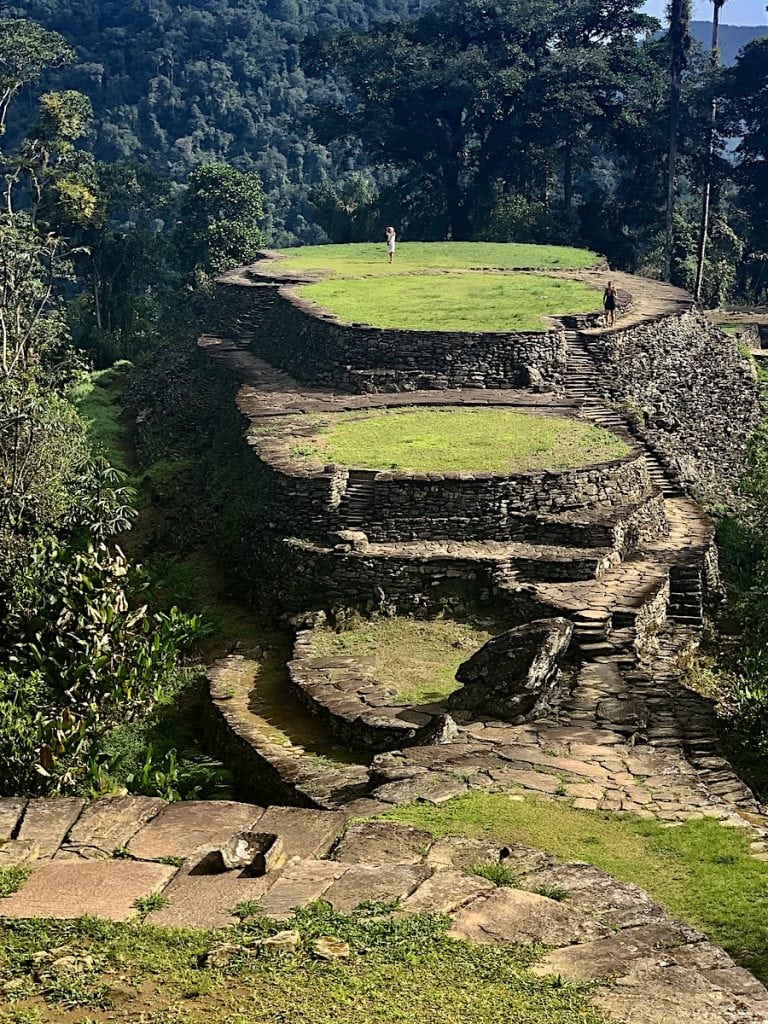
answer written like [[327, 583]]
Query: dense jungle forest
[[146, 147]]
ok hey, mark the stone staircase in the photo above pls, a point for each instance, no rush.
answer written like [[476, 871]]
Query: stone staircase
[[583, 383], [357, 501]]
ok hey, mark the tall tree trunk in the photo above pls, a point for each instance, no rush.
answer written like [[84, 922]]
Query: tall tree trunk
[[706, 197], [568, 176], [680, 40]]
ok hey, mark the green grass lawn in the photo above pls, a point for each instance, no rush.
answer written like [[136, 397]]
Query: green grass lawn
[[433, 440], [398, 972], [416, 660], [700, 871], [371, 257], [453, 302]]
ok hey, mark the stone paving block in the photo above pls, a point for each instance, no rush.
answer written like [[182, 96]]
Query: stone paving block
[[11, 810], [305, 833], [377, 882], [107, 824], [455, 853], [181, 828], [47, 821], [613, 903], [444, 892], [659, 992], [299, 884], [539, 782], [512, 915], [17, 851], [612, 956], [97, 888], [207, 901], [382, 842]]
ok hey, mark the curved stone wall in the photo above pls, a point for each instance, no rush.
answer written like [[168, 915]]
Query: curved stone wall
[[320, 350], [691, 392], [425, 506]]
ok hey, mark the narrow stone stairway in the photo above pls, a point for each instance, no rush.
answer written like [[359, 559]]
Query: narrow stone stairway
[[357, 501], [583, 385]]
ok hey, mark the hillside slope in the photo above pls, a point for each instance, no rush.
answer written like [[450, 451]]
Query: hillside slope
[[733, 38], [176, 85]]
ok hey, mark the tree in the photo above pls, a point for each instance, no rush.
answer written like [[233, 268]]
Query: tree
[[483, 94], [706, 196], [746, 95], [680, 44], [219, 219], [26, 50]]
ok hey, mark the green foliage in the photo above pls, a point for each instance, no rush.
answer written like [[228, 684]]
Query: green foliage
[[700, 871], [498, 873], [553, 892], [152, 901], [402, 970], [220, 214], [12, 879], [26, 50]]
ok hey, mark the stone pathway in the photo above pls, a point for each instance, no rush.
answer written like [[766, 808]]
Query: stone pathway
[[646, 968]]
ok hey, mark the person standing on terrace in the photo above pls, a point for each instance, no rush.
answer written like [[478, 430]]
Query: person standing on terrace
[[391, 243], [609, 305]]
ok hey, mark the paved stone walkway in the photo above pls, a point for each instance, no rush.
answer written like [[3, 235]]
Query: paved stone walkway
[[647, 968]]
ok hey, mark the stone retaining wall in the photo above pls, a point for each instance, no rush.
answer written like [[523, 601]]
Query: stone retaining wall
[[320, 350], [423, 506], [693, 394], [300, 576]]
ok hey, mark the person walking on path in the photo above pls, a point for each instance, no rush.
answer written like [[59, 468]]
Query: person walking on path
[[391, 243], [609, 305]]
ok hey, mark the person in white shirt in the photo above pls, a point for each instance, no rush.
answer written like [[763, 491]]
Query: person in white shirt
[[391, 243]]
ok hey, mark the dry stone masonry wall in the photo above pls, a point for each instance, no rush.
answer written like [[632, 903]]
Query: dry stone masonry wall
[[693, 394]]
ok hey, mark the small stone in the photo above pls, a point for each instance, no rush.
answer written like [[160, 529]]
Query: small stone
[[219, 955], [283, 942], [330, 948]]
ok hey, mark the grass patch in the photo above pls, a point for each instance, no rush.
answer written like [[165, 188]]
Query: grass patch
[[434, 440], [453, 302], [400, 972], [371, 257], [12, 879], [97, 399], [414, 659], [553, 892], [701, 872], [499, 874]]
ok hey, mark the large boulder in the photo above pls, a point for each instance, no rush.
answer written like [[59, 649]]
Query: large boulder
[[514, 672]]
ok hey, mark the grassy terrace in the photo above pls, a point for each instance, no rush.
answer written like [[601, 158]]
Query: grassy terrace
[[371, 257], [700, 871], [453, 302], [416, 660], [436, 440]]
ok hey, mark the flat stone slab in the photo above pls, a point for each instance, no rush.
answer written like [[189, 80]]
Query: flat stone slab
[[305, 833], [382, 842], [376, 882], [613, 956], [445, 892], [593, 892], [47, 821], [299, 884], [11, 810], [658, 992], [512, 915], [181, 828], [459, 854], [207, 901], [108, 824], [97, 888]]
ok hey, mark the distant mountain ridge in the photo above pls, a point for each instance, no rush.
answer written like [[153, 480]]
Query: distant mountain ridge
[[733, 38]]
